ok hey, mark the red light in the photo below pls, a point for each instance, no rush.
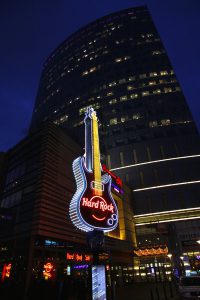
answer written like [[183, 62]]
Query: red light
[[6, 271], [77, 257], [117, 179], [99, 204], [98, 219], [48, 267]]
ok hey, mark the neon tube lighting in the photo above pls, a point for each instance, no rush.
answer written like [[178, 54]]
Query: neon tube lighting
[[166, 185], [155, 161], [168, 220], [166, 212]]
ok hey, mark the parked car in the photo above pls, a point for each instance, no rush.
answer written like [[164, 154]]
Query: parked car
[[189, 287]]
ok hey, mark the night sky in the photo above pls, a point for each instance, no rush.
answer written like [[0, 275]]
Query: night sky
[[31, 29]]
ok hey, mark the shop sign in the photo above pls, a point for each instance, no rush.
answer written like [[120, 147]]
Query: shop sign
[[77, 257], [81, 267], [92, 206]]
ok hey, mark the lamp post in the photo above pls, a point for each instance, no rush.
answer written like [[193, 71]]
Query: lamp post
[[182, 265], [171, 268]]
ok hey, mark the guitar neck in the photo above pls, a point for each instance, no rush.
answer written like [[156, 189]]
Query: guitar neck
[[96, 152]]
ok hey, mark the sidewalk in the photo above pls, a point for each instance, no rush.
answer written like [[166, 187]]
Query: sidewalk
[[147, 291]]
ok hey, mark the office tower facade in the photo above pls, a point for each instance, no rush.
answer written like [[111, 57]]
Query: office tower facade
[[119, 66]]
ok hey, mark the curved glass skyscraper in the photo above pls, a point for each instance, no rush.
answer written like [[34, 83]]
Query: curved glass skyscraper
[[119, 66]]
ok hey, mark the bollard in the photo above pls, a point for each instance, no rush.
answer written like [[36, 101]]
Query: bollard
[[170, 289], [165, 293], [157, 293], [151, 294]]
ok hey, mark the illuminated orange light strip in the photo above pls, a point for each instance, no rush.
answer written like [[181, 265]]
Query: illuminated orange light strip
[[98, 219]]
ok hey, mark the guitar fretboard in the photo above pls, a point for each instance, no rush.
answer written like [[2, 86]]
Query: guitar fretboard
[[96, 152]]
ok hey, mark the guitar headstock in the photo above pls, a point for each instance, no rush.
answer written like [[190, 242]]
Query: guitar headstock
[[91, 113]]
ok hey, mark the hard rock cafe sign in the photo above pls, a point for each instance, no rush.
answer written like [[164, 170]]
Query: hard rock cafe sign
[[92, 206]]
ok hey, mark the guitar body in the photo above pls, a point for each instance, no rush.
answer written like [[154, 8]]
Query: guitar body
[[94, 211]]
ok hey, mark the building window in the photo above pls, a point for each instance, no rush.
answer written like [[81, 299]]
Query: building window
[[141, 76], [127, 177], [162, 73], [156, 176], [148, 153], [158, 91], [177, 150], [123, 98], [141, 178], [121, 159], [61, 120], [118, 59], [153, 124], [112, 83], [85, 73], [130, 87], [136, 116], [135, 156], [123, 80], [93, 69], [134, 96], [153, 74], [152, 82], [162, 151], [156, 52], [168, 90], [165, 122], [113, 101], [78, 124], [113, 121], [146, 93], [177, 88], [108, 161]]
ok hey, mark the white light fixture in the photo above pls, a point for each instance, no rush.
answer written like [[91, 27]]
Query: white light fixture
[[198, 241], [169, 255], [155, 161], [166, 185]]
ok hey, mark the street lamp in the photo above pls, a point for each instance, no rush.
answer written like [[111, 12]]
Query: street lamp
[[171, 267], [182, 265]]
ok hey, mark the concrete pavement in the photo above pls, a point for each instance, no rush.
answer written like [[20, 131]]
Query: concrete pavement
[[146, 291]]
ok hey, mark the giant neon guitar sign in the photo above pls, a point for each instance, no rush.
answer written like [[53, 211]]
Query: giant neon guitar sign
[[92, 206]]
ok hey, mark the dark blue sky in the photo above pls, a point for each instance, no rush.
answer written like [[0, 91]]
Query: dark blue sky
[[31, 29]]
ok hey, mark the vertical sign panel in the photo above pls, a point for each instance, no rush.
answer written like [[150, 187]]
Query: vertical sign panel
[[98, 283]]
